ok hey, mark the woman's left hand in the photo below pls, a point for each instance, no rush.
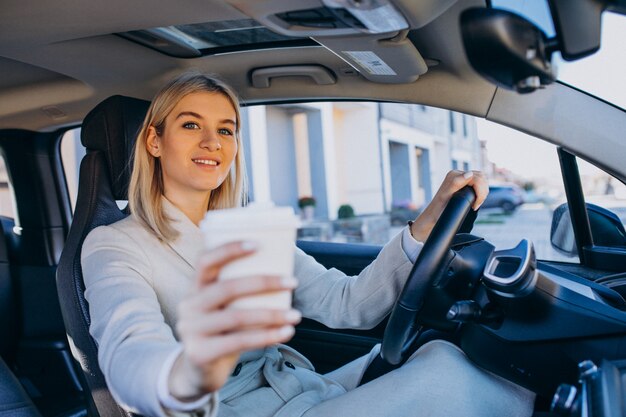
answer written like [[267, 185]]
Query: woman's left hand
[[453, 182]]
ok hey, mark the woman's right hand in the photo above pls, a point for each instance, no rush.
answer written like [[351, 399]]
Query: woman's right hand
[[214, 335]]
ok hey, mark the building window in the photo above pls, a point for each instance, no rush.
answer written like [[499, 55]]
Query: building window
[[464, 126], [455, 164], [466, 166], [7, 198], [452, 127], [400, 113]]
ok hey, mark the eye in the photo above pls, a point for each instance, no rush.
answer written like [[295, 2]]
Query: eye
[[191, 125], [225, 131]]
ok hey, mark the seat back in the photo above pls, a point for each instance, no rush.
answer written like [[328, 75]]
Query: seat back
[[108, 133]]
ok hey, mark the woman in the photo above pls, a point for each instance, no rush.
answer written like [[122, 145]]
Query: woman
[[168, 343]]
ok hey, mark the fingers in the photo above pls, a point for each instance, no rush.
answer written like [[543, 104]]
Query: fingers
[[459, 179], [214, 334], [231, 320], [215, 356], [213, 261], [456, 180], [221, 293], [205, 350], [481, 188]]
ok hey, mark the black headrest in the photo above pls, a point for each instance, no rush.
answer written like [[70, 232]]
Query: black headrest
[[112, 127]]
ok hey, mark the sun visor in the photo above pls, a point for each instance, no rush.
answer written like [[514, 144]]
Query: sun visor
[[370, 35], [378, 58]]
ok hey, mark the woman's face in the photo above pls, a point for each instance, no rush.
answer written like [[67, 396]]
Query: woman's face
[[198, 144]]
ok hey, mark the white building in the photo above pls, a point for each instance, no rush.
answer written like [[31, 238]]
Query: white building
[[369, 155]]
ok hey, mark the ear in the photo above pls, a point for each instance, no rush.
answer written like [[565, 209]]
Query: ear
[[153, 142]]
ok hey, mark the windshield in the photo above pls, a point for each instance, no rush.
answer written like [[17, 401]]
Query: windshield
[[600, 74]]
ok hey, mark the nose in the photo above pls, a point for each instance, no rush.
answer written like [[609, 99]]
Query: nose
[[211, 142]]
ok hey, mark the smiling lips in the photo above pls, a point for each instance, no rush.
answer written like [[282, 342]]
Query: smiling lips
[[210, 162]]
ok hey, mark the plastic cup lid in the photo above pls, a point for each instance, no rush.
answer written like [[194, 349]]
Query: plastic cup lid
[[255, 215]]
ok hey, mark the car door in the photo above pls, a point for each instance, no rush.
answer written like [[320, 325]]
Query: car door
[[362, 158], [406, 169], [35, 347]]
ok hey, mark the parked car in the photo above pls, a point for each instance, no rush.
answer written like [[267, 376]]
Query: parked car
[[506, 197], [400, 214], [529, 321]]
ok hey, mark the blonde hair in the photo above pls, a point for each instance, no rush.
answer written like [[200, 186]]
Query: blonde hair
[[146, 181]]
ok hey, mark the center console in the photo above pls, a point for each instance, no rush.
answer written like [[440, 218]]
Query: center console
[[533, 324], [600, 391]]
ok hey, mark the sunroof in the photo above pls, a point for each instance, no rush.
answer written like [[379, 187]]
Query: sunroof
[[187, 41], [232, 32]]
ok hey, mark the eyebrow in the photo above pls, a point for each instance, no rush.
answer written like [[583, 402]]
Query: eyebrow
[[197, 116], [189, 113]]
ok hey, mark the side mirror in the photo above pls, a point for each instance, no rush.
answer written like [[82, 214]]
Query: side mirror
[[606, 228], [506, 49]]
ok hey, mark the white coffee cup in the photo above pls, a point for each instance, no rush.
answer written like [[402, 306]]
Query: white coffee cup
[[273, 230]]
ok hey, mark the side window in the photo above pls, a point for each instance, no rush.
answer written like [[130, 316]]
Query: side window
[[606, 201], [358, 171], [525, 187], [7, 198], [72, 152]]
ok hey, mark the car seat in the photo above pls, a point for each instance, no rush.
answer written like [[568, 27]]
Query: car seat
[[14, 402], [108, 134]]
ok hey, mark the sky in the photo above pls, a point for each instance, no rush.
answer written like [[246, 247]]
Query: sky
[[602, 74]]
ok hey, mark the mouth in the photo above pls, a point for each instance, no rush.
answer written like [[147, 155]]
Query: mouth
[[206, 161]]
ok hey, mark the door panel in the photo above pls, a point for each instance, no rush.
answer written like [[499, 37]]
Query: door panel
[[329, 348]]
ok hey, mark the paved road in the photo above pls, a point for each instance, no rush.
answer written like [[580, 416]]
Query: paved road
[[530, 221]]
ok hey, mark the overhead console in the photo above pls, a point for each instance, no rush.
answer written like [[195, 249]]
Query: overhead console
[[325, 17], [370, 35]]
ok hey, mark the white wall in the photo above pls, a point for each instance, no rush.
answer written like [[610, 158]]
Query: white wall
[[303, 162], [355, 156], [260, 175], [358, 157]]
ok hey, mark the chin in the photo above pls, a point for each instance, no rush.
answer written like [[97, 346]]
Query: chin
[[207, 187]]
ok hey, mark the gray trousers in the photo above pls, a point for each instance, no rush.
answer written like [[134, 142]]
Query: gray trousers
[[438, 380]]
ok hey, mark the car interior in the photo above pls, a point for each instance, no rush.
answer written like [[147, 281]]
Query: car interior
[[556, 328]]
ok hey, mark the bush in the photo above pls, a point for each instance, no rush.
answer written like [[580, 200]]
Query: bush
[[345, 211], [306, 201], [528, 186]]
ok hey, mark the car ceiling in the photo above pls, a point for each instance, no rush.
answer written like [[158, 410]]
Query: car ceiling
[[59, 59]]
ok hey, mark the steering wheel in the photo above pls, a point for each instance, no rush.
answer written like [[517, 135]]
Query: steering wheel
[[403, 327]]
